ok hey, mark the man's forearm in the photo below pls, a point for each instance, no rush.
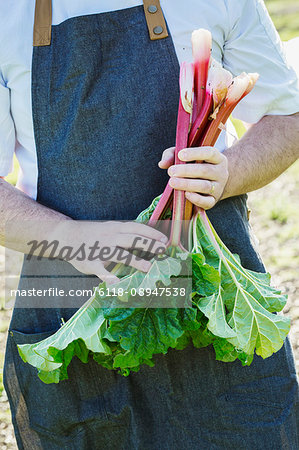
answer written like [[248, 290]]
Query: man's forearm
[[23, 220], [266, 150]]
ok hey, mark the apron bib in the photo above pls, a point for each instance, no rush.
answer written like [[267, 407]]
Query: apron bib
[[104, 99]]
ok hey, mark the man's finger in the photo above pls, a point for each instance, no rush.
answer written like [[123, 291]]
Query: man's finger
[[140, 243], [135, 228], [167, 158], [105, 275], [199, 186], [208, 154], [204, 171], [204, 202]]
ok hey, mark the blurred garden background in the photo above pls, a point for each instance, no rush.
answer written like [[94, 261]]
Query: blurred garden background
[[274, 217]]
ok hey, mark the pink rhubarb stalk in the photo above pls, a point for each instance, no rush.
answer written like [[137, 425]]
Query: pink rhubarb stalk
[[240, 87], [219, 96], [201, 48], [162, 205], [183, 125], [201, 121], [218, 83]]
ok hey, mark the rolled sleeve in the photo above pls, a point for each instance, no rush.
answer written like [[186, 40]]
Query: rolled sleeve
[[7, 131], [253, 45]]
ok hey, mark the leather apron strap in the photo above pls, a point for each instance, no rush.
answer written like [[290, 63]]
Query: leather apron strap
[[155, 19], [43, 21]]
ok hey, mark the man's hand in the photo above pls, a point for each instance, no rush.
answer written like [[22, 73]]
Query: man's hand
[[266, 150], [203, 182], [106, 242], [29, 227]]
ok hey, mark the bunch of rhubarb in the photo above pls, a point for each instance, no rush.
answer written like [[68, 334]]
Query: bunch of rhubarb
[[231, 308]]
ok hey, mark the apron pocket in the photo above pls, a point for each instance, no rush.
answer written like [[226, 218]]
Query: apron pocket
[[62, 409]]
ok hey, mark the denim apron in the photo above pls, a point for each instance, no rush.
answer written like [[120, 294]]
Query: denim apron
[[104, 100]]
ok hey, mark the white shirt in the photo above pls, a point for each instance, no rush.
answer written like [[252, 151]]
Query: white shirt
[[244, 39]]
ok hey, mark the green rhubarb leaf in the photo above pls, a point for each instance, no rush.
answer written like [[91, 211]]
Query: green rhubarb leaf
[[125, 363], [201, 338], [145, 332], [241, 309], [232, 309], [188, 318], [105, 360], [226, 352], [127, 289], [255, 326], [79, 335], [51, 377], [87, 329], [205, 278], [259, 286], [183, 341], [145, 215], [213, 307]]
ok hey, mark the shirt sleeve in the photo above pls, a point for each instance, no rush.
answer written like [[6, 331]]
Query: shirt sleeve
[[7, 131], [252, 44]]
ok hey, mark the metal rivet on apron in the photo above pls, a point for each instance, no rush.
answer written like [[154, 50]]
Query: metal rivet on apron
[[158, 30], [11, 333], [152, 9]]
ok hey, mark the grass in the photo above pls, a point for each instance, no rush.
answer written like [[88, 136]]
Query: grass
[[285, 15], [277, 207]]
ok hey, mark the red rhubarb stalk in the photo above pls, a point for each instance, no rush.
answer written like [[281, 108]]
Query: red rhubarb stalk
[[201, 120], [240, 87], [182, 131], [162, 205], [219, 81], [201, 48], [219, 96]]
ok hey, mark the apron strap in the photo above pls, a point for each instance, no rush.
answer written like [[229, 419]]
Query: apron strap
[[155, 19], [43, 21]]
